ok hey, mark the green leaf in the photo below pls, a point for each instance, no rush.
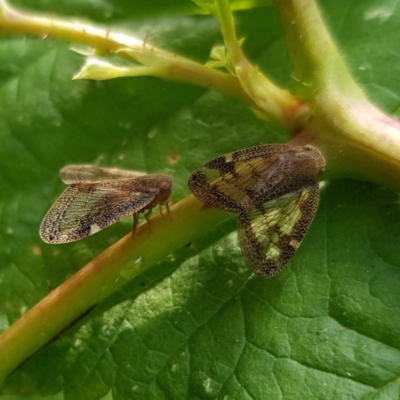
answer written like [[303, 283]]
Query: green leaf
[[198, 325]]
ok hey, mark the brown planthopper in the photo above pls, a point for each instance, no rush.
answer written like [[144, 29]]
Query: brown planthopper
[[274, 189], [98, 197]]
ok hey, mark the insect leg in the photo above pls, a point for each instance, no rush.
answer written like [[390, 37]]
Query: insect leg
[[166, 205], [147, 215], [135, 222]]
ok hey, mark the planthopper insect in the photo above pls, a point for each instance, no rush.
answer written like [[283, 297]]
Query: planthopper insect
[[98, 197], [274, 189]]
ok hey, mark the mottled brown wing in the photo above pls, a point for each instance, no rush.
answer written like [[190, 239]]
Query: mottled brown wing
[[86, 208], [270, 236], [79, 173], [236, 181]]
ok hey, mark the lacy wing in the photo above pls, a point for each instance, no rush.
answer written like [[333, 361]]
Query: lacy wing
[[233, 182], [86, 208], [83, 173], [270, 236]]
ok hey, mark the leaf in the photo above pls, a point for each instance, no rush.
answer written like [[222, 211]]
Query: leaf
[[197, 325]]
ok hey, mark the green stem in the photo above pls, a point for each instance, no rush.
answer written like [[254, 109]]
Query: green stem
[[317, 63], [169, 66], [357, 139], [249, 86], [276, 104], [102, 276], [227, 25]]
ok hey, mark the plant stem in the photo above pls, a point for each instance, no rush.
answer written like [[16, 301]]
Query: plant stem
[[169, 66], [317, 63], [102, 276], [357, 139], [276, 104], [249, 86]]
